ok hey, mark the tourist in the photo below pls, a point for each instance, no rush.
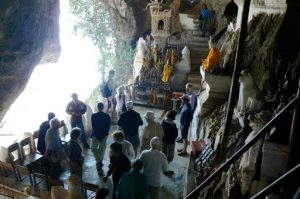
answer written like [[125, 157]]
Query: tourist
[[127, 148], [170, 134], [133, 184], [130, 121], [41, 146], [122, 98], [100, 130], [155, 163], [152, 129], [55, 152], [76, 109], [119, 164], [193, 96], [75, 153], [185, 121], [212, 63], [110, 91], [204, 17]]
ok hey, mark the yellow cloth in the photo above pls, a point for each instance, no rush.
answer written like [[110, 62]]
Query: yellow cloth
[[213, 57], [173, 57], [167, 73]]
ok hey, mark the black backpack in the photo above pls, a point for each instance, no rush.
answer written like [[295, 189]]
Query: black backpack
[[105, 90]]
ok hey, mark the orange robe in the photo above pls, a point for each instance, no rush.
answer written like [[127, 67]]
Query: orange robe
[[213, 57]]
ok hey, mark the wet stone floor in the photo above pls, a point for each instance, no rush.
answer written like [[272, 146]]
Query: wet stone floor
[[172, 185]]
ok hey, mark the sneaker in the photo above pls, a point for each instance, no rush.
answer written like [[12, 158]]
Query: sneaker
[[99, 166], [169, 173], [182, 153]]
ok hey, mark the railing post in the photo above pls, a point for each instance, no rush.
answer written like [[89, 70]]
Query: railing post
[[235, 77], [294, 144], [294, 155]]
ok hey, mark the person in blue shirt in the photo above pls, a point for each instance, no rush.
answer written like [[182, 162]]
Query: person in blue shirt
[[55, 152], [101, 126], [75, 153], [185, 121], [133, 184], [204, 17]]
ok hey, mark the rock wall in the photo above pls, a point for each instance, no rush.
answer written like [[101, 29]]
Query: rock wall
[[272, 54], [28, 37]]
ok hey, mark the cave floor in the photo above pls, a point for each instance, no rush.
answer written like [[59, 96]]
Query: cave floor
[[170, 189]]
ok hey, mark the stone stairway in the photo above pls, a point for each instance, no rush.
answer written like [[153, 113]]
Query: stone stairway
[[215, 87], [198, 47]]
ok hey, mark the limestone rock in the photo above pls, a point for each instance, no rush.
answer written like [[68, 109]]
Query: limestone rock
[[28, 37]]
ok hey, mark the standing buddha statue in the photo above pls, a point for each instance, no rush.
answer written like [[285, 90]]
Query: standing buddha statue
[[168, 69]]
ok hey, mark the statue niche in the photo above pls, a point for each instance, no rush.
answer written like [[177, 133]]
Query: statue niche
[[160, 25]]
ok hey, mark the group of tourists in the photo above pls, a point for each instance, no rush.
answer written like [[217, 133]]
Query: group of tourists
[[128, 153]]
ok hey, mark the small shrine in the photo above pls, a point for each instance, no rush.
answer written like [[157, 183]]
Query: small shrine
[[160, 22], [152, 85]]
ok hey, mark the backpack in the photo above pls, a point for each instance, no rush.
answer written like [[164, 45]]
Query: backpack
[[105, 90]]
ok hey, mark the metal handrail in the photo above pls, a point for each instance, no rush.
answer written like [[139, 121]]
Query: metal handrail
[[241, 151], [277, 182]]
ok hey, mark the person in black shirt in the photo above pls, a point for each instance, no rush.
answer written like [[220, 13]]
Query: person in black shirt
[[119, 164], [130, 121], [170, 135], [100, 126]]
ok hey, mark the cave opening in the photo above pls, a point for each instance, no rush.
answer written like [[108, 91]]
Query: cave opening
[[50, 85]]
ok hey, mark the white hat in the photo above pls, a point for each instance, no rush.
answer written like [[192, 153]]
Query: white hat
[[155, 141], [185, 97], [129, 105], [149, 115]]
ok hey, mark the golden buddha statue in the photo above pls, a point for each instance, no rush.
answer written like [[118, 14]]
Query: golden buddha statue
[[168, 69]]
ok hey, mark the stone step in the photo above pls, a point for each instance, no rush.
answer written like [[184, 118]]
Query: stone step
[[190, 44], [199, 52], [198, 37], [194, 79], [192, 16], [197, 59], [198, 48], [196, 66]]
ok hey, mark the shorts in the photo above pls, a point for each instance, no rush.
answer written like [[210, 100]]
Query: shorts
[[111, 102], [184, 133], [134, 140]]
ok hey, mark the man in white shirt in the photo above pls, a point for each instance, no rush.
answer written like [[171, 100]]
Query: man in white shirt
[[155, 163], [127, 148]]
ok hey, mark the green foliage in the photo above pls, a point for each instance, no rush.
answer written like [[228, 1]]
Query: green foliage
[[94, 19]]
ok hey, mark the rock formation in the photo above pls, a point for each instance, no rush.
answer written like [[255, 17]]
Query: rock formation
[[28, 37]]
